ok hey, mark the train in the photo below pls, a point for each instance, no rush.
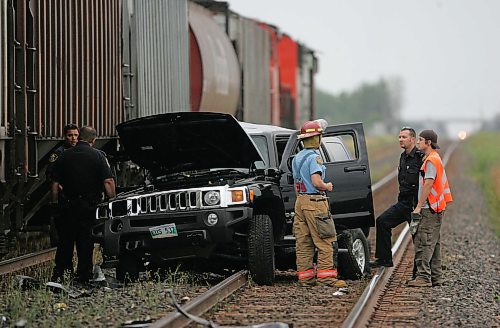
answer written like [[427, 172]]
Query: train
[[100, 63]]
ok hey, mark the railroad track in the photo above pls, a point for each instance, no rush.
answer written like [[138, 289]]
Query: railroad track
[[363, 312], [385, 283], [26, 261], [383, 280]]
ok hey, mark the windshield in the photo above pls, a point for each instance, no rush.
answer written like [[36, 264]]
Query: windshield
[[261, 143]]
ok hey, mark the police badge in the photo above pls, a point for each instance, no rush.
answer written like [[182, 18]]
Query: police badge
[[53, 157], [319, 160]]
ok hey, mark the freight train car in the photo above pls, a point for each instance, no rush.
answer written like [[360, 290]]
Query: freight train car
[[60, 63], [100, 63], [277, 71]]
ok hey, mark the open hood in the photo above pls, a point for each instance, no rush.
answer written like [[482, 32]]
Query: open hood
[[185, 141]]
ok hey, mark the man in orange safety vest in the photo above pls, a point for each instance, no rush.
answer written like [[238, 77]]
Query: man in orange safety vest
[[434, 195]]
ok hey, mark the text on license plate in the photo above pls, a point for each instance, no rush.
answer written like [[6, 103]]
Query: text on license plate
[[164, 231]]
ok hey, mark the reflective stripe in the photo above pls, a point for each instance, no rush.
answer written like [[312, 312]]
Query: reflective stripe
[[434, 192], [435, 204], [305, 274], [447, 191], [314, 130], [444, 179], [327, 273]]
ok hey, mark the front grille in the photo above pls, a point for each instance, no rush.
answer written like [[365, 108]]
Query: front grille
[[177, 201], [164, 202], [158, 203]]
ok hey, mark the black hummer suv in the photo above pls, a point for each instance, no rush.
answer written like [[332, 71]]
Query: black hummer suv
[[220, 189]]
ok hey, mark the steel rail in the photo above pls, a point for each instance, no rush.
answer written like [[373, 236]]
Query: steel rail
[[204, 302], [25, 261], [360, 314]]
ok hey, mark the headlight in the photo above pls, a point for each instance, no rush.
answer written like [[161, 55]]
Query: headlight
[[212, 198]]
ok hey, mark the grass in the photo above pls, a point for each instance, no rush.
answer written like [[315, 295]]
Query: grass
[[41, 307], [483, 148], [380, 142], [383, 155]]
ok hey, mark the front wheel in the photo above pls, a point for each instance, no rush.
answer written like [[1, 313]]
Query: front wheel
[[353, 264], [261, 250]]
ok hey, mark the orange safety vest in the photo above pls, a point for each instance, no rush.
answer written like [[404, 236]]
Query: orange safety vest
[[440, 193]]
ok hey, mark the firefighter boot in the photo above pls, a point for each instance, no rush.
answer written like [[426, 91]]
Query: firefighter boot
[[332, 282]]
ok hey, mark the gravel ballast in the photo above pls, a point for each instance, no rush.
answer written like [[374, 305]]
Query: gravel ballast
[[471, 254]]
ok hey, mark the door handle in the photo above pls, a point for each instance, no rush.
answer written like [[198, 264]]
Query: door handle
[[355, 168]]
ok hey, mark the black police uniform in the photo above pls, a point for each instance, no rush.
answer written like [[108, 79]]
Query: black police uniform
[[80, 171], [53, 211], [53, 158], [408, 170]]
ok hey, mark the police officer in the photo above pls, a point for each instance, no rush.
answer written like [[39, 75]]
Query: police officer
[[83, 173], [313, 226], [71, 133], [408, 170]]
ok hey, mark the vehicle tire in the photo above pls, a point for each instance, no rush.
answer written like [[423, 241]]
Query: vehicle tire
[[127, 268], [261, 250], [355, 263]]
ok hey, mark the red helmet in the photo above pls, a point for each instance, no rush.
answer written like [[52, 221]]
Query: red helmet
[[310, 129]]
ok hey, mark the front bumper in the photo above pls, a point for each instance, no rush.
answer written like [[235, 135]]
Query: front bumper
[[195, 237]]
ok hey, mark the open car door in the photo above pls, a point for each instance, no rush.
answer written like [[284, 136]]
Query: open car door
[[344, 154]]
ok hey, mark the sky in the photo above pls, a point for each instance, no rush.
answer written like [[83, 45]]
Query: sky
[[447, 52]]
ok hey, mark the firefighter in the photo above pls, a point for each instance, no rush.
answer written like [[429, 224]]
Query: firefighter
[[434, 194], [313, 226]]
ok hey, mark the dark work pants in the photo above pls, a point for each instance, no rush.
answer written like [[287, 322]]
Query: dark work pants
[[74, 227], [428, 246], [391, 218]]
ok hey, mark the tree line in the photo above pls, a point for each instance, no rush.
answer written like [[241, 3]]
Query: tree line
[[369, 103]]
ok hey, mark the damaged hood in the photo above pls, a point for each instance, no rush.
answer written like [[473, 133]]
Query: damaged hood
[[185, 141]]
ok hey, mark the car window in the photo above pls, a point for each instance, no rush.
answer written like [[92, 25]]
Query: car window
[[281, 142], [261, 143], [340, 148]]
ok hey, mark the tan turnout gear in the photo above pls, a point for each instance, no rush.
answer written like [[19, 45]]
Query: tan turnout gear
[[310, 211]]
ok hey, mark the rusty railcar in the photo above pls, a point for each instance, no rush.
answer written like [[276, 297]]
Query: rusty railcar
[[61, 63], [100, 63]]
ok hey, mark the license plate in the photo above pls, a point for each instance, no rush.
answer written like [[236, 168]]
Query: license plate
[[164, 231]]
